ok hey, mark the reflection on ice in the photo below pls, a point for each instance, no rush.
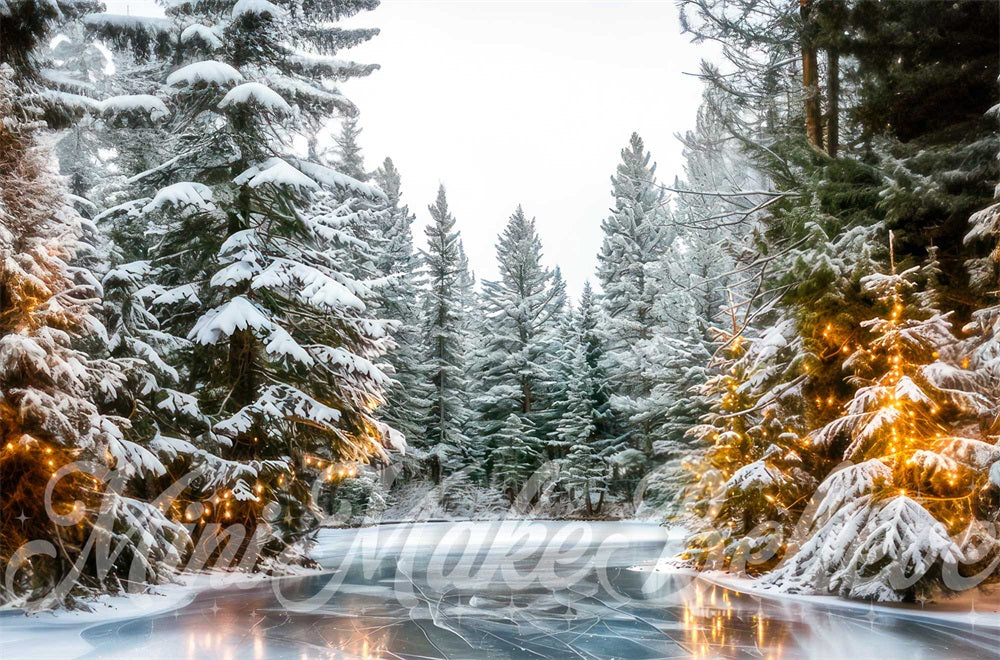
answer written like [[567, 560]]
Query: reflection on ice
[[504, 590]]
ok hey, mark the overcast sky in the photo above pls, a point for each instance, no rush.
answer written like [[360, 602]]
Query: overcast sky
[[529, 102], [519, 101]]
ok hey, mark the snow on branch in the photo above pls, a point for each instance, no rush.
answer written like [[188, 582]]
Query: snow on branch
[[204, 73], [255, 94], [225, 320], [334, 179], [276, 172], [180, 195]]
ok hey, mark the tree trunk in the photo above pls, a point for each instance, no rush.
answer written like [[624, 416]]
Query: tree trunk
[[833, 101], [241, 368], [436, 470], [242, 343], [810, 79]]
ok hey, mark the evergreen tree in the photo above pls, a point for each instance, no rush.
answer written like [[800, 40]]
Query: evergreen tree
[[634, 236], [585, 470], [564, 339], [938, 154], [552, 388], [77, 70], [473, 337], [516, 454], [446, 441], [56, 402], [763, 39], [248, 254], [754, 477], [349, 158], [983, 344], [592, 325], [399, 265], [690, 280], [521, 311], [902, 497]]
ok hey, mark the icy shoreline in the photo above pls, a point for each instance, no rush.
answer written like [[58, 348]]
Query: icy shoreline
[[978, 607], [59, 631]]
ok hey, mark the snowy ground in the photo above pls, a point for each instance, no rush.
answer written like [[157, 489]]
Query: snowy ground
[[490, 589]]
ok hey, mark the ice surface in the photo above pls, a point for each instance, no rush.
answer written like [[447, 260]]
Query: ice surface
[[504, 589]]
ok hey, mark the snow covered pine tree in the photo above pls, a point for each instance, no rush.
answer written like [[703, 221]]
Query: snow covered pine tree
[[58, 448], [399, 266], [634, 237], [282, 346], [446, 445], [521, 310], [883, 527]]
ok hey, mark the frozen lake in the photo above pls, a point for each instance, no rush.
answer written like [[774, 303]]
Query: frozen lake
[[501, 590]]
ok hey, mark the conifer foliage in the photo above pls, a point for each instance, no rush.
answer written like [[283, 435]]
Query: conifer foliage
[[921, 476], [249, 260], [399, 266], [446, 342], [56, 402], [851, 433], [634, 236]]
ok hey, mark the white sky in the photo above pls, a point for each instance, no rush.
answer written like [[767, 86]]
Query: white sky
[[520, 101], [509, 101]]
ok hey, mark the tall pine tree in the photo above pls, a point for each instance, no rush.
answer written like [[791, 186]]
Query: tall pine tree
[[521, 314], [399, 266], [249, 251], [446, 442]]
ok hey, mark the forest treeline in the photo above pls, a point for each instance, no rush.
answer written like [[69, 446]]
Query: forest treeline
[[790, 347]]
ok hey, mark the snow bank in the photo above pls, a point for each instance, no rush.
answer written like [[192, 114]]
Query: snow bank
[[57, 633]]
